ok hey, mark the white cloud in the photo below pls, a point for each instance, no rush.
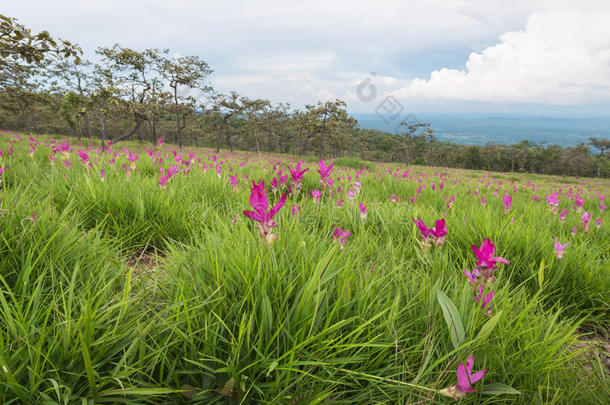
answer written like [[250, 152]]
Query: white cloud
[[561, 57], [299, 52]]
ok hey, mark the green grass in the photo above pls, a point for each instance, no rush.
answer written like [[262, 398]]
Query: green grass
[[123, 292]]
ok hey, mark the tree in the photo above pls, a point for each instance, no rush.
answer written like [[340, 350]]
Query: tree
[[255, 111], [18, 44], [600, 143], [76, 76], [318, 121], [190, 73], [129, 72], [19, 84], [603, 145], [225, 107]]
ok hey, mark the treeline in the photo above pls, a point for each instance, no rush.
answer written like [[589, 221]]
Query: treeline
[[47, 87]]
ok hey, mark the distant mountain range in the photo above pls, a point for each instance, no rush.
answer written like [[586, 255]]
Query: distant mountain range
[[479, 129]]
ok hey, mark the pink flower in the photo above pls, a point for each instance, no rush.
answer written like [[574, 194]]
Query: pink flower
[[316, 194], [553, 201], [324, 171], [295, 209], [233, 181], [598, 223], [465, 377], [34, 216], [559, 248], [339, 203], [341, 236], [508, 201], [258, 201], [562, 215], [439, 232], [163, 180], [472, 277], [102, 174], [450, 202], [486, 263], [363, 213], [274, 185], [586, 218], [297, 175], [423, 229], [485, 299], [436, 234], [574, 230]]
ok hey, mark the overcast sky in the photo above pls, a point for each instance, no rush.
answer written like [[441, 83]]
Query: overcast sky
[[430, 55]]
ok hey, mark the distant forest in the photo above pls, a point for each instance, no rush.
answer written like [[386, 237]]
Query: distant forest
[[46, 86]]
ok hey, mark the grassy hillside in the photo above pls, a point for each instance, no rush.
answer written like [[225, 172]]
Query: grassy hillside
[[131, 275]]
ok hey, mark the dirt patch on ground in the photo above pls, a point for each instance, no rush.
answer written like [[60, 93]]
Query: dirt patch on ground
[[146, 267], [597, 346]]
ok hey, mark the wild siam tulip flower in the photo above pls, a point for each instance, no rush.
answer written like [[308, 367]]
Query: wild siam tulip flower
[[465, 378], [586, 218], [598, 223], [325, 172], [439, 232], [233, 181], [297, 175], [295, 209], [350, 194], [428, 235], [363, 213], [283, 180], [394, 198], [508, 201], [316, 194], [339, 203], [274, 185], [562, 215], [424, 232], [574, 230], [450, 202], [559, 249], [472, 276], [163, 180], [84, 157], [579, 203], [485, 300], [553, 201], [341, 236], [258, 201], [102, 174], [486, 263]]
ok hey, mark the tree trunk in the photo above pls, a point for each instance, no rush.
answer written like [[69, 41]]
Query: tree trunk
[[26, 118], [87, 124], [229, 139], [102, 130], [219, 139]]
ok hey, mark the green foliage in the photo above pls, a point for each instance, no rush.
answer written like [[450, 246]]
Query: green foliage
[[123, 292], [353, 163]]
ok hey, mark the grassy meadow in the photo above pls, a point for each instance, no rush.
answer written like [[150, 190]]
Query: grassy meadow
[[129, 275]]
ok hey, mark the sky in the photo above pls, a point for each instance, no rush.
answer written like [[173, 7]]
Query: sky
[[480, 56]]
